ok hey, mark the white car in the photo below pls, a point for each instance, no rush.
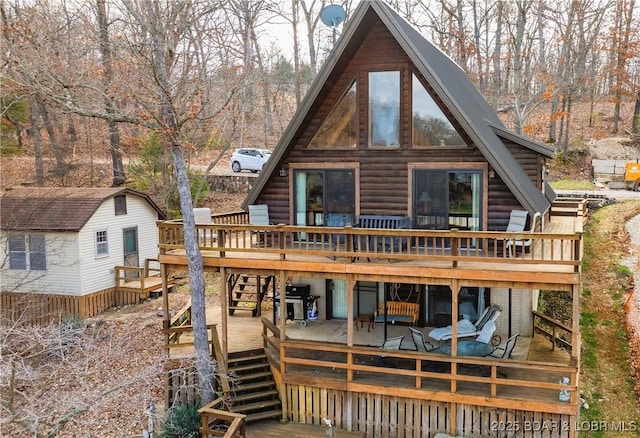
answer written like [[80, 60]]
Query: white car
[[249, 159]]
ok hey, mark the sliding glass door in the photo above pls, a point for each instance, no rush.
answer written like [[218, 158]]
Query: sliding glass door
[[324, 197], [447, 198]]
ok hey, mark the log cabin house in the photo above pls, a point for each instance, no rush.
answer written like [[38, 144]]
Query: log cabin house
[[394, 182]]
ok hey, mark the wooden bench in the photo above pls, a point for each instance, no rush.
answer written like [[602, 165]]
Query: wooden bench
[[383, 244], [399, 311]]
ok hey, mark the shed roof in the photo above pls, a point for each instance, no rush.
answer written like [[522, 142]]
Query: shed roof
[[56, 209], [449, 82]]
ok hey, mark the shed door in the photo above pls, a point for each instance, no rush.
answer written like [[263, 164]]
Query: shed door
[[131, 255]]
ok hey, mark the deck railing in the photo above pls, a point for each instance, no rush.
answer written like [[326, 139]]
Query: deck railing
[[557, 332], [218, 422], [497, 381], [351, 243]]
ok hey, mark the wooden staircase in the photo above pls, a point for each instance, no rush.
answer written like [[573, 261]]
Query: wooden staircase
[[246, 292], [253, 390]]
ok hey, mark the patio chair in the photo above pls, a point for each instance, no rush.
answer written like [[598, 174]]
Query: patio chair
[[486, 334], [513, 244], [422, 345], [465, 327], [259, 215], [202, 216], [390, 344], [507, 351]]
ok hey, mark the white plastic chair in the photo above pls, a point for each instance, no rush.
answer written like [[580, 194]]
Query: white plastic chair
[[202, 216], [522, 243]]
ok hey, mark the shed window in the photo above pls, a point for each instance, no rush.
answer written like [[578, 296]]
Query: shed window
[[102, 243], [121, 204], [430, 126], [27, 252], [384, 109]]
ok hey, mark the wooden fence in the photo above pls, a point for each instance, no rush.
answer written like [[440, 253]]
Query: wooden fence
[[34, 308]]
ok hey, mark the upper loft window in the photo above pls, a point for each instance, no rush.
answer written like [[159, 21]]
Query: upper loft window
[[430, 126], [121, 204], [384, 109], [340, 129]]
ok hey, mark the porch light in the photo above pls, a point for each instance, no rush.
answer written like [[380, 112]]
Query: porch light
[[492, 173], [283, 172]]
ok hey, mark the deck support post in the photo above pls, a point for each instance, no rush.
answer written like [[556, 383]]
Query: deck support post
[[166, 318], [224, 291], [282, 322], [351, 283]]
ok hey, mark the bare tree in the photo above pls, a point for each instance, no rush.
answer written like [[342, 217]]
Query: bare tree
[[119, 177], [163, 32]]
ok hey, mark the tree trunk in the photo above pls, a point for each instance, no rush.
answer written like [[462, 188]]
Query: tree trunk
[[171, 131], [497, 52], [37, 142], [635, 122], [119, 176], [296, 54], [61, 165]]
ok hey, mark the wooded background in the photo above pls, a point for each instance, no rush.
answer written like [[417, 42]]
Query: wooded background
[[83, 77]]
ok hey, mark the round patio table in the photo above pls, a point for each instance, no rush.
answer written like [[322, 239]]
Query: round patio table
[[468, 348]]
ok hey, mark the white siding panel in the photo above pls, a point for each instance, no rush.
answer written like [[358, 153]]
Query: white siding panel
[[98, 273], [62, 274], [521, 307]]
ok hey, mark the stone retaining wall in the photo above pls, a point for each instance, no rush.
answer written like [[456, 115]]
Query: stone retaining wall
[[231, 183]]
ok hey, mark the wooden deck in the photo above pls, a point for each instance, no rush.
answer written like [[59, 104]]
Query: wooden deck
[[478, 258]]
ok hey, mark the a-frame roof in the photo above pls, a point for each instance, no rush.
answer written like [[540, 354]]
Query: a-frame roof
[[449, 82], [57, 209]]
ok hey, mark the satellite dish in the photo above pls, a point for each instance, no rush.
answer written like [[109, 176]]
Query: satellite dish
[[332, 15]]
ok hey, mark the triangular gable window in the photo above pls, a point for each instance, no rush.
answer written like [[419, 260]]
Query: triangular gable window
[[430, 126], [339, 130]]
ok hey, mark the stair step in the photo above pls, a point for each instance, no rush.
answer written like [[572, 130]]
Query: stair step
[[263, 384], [255, 376], [249, 367], [243, 304], [259, 405], [241, 359], [265, 415], [254, 396]]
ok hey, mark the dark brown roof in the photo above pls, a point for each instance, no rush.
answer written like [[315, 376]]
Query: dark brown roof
[[56, 209], [449, 82]]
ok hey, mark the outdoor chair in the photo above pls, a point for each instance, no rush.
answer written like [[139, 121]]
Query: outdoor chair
[[506, 352], [486, 334], [259, 215], [390, 344], [465, 327], [202, 216], [513, 244], [422, 345]]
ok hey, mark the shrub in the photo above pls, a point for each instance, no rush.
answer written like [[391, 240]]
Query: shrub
[[183, 421]]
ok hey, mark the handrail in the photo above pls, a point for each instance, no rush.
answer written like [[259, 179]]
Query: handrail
[[181, 319], [348, 242], [232, 424], [555, 325]]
